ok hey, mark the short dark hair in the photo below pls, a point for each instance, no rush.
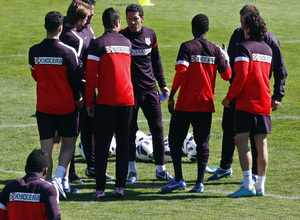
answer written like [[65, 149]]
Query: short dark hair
[[89, 2], [135, 8], [110, 16], [53, 20], [76, 11], [248, 9], [200, 25], [36, 161], [257, 26]]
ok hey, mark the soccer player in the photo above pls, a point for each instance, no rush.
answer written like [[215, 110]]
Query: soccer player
[[86, 123], [31, 197], [54, 66], [197, 64], [146, 67], [77, 16], [280, 74], [251, 89], [108, 70]]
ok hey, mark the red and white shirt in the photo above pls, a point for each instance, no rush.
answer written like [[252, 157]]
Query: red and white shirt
[[108, 70], [196, 69], [251, 86], [29, 198], [54, 66]]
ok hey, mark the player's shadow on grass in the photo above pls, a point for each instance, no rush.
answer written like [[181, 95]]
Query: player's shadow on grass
[[134, 192], [134, 195], [214, 183]]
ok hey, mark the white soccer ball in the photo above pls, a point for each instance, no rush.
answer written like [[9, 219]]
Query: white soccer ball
[[113, 147], [191, 148], [140, 136], [167, 151], [144, 150], [189, 137]]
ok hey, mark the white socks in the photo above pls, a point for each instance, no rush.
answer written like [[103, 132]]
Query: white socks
[[160, 168], [261, 183], [248, 183], [60, 172], [132, 166]]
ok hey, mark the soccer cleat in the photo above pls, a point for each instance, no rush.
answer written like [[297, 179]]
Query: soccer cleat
[[164, 175], [99, 194], [220, 173], [90, 172], [71, 189], [118, 192], [174, 185], [132, 177], [254, 179], [198, 188], [81, 150], [260, 192], [243, 192], [73, 178], [59, 187]]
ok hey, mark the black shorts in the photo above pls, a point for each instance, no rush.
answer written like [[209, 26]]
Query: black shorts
[[65, 125], [255, 124]]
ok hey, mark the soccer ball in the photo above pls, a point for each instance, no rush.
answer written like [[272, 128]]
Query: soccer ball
[[113, 147], [140, 136], [189, 137], [191, 148], [167, 151], [144, 150]]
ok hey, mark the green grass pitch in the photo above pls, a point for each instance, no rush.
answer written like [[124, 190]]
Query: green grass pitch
[[22, 26]]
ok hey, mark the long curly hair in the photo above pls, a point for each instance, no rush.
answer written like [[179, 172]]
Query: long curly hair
[[257, 26]]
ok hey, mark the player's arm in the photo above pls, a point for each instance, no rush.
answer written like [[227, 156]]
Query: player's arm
[[3, 212], [3, 207], [181, 68], [92, 68], [74, 77], [241, 67], [157, 65], [279, 70], [31, 63], [52, 205], [223, 66]]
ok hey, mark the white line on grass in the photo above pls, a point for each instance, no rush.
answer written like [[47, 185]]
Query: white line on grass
[[11, 171], [144, 121]]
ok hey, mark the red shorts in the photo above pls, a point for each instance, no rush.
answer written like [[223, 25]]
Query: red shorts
[[248, 122], [65, 125]]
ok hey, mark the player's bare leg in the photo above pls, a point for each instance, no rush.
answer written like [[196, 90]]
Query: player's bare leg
[[262, 162], [47, 146]]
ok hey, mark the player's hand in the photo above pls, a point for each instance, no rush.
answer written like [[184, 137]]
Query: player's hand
[[275, 105], [171, 106], [91, 111], [79, 103], [165, 90], [224, 47], [225, 103]]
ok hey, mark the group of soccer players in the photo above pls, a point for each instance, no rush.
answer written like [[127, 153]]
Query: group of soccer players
[[124, 65]]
